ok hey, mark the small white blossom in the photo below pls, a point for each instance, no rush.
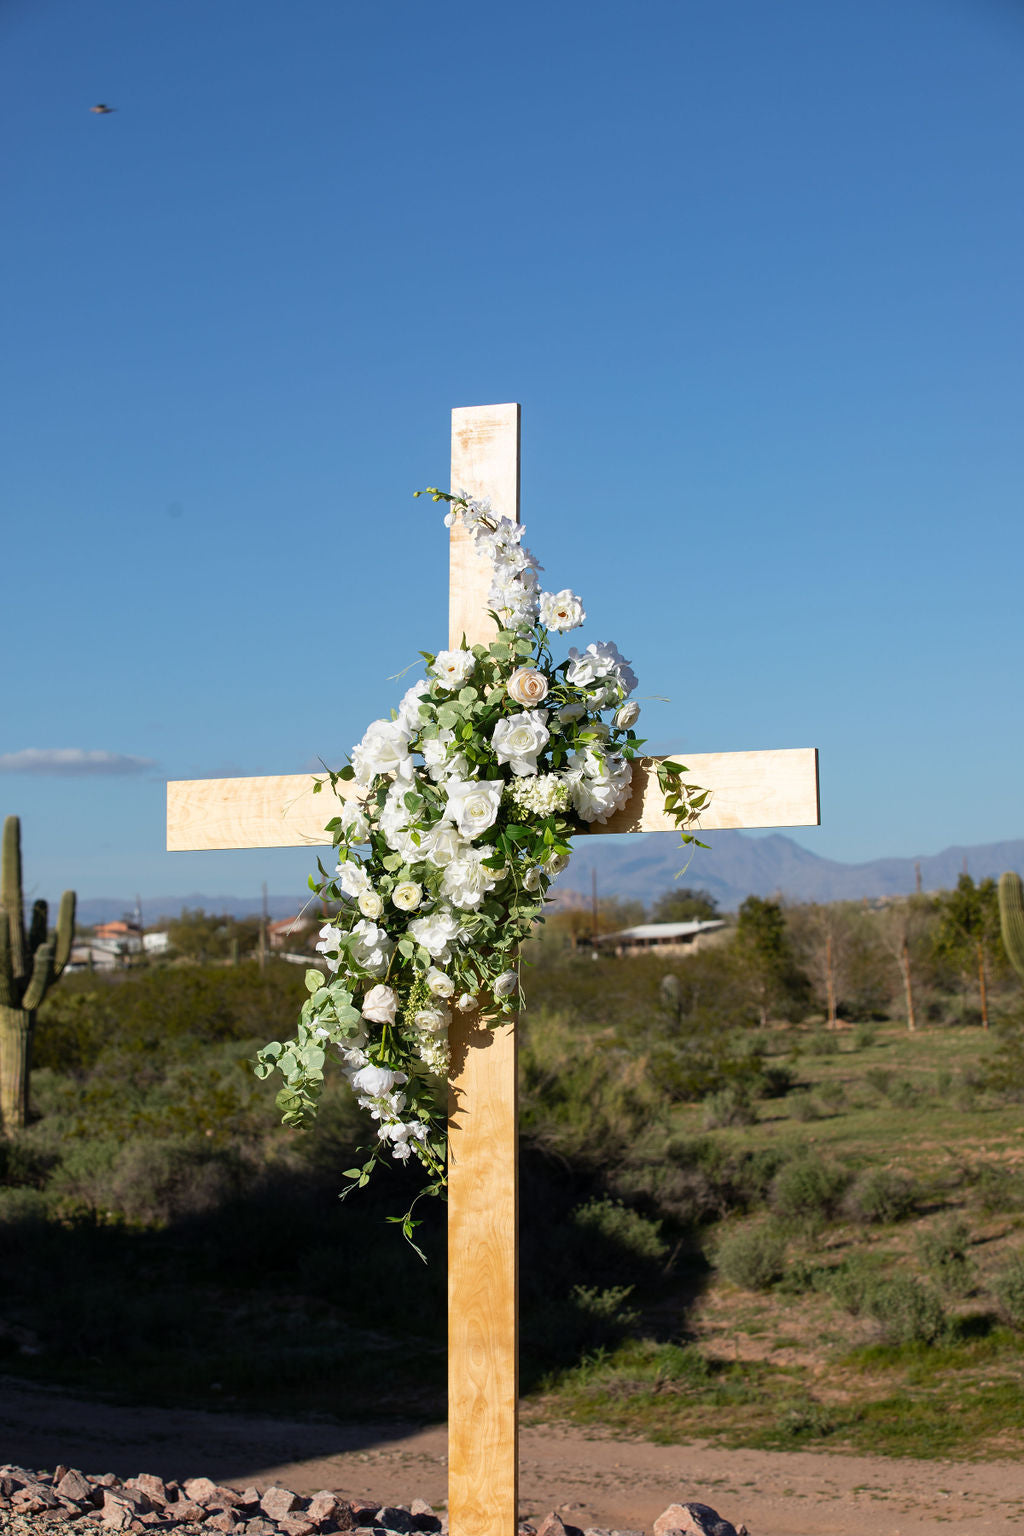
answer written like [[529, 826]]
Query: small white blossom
[[561, 610], [436, 932], [506, 984], [370, 902], [372, 948], [452, 668], [375, 1082], [626, 716], [383, 749], [466, 880]]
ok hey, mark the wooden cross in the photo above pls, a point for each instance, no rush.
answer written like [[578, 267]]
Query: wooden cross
[[749, 789]]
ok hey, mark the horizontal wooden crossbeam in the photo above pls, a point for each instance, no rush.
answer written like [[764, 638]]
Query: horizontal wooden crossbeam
[[749, 789]]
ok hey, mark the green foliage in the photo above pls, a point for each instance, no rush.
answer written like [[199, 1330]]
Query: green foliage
[[752, 1257], [808, 1189], [731, 1105], [943, 1253], [906, 1311], [683, 905], [1007, 1287], [616, 1223], [205, 936], [776, 982], [880, 1195]]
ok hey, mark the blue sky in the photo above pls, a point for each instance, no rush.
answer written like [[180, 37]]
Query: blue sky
[[753, 271]]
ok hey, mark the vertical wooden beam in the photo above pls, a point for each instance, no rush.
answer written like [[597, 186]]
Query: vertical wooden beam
[[483, 1321], [485, 464]]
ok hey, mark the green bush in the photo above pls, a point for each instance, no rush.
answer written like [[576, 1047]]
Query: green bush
[[823, 1043], [808, 1189], [850, 1282], [635, 1235], [864, 1037], [1007, 1287], [906, 1311], [879, 1195], [23, 1205], [24, 1165], [943, 1254], [996, 1187], [804, 1107], [832, 1093], [752, 1257], [878, 1078], [729, 1106]]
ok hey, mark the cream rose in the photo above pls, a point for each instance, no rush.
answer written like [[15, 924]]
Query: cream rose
[[527, 686], [379, 1005], [506, 984], [370, 903], [407, 896], [440, 984], [628, 715], [473, 804]]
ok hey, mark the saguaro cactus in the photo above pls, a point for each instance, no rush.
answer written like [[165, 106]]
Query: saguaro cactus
[[30, 963], [1011, 919]]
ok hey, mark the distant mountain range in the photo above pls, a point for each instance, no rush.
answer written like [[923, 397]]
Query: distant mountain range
[[641, 868]]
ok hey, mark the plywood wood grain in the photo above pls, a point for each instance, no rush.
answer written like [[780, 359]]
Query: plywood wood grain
[[485, 464], [749, 789], [482, 1280]]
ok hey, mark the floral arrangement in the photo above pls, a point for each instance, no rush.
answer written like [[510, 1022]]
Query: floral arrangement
[[467, 799]]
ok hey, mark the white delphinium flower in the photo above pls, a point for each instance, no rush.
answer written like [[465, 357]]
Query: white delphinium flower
[[379, 1005], [383, 749], [473, 804], [600, 663], [452, 668], [329, 937], [376, 1082], [466, 880], [514, 598], [440, 984], [541, 796], [518, 739], [354, 823], [407, 895], [561, 611], [626, 716], [434, 1053], [372, 948], [436, 932], [370, 902], [506, 984]]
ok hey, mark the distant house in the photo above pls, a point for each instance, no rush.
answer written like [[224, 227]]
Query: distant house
[[288, 932], [126, 936], [661, 938]]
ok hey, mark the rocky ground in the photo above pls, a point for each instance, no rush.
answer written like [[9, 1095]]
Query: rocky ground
[[592, 1480]]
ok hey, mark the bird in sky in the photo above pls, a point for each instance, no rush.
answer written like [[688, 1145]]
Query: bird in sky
[[101, 107]]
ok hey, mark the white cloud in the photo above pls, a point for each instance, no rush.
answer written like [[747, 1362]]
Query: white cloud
[[72, 762]]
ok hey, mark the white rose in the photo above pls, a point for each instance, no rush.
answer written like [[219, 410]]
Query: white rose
[[561, 610], [628, 715], [409, 709], [555, 863], [473, 804], [440, 984], [532, 879], [518, 739], [506, 984], [467, 1002], [446, 843], [370, 903], [379, 1005], [329, 940], [466, 880], [407, 896], [570, 712], [452, 668], [383, 749], [432, 1020], [527, 686]]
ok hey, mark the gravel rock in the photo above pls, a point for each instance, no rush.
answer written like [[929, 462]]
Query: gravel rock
[[296, 1524], [279, 1501], [326, 1508], [693, 1520], [223, 1520], [73, 1485]]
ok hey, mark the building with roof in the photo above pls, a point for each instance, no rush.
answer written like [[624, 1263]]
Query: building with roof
[[661, 938]]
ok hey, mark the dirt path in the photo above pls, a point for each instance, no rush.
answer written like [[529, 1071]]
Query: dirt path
[[594, 1480]]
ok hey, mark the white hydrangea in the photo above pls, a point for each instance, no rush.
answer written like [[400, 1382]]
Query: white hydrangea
[[436, 932], [372, 949], [466, 880], [544, 795]]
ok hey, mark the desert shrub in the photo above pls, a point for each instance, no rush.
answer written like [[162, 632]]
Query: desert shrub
[[632, 1233], [823, 1043], [943, 1254], [996, 1187], [878, 1195], [21, 1204], [149, 1182], [808, 1189], [878, 1078], [752, 1257], [864, 1037], [832, 1093], [850, 1283], [729, 1106], [686, 1195], [774, 1081], [606, 1310], [1007, 1287], [906, 1311], [24, 1165], [902, 1093], [804, 1107]]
